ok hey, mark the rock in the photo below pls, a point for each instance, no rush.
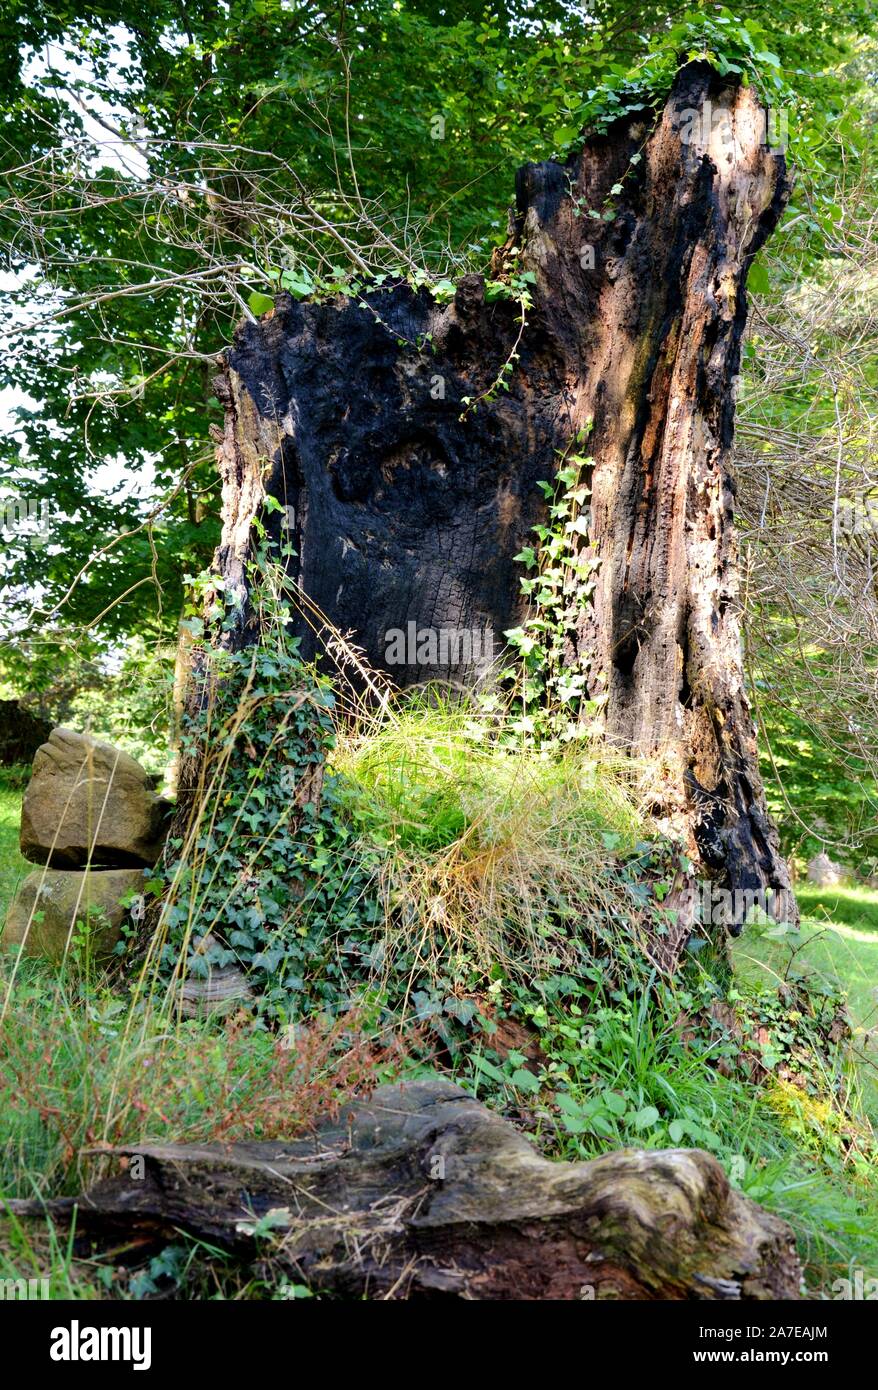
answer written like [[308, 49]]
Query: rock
[[825, 872], [225, 989], [64, 897], [423, 1192], [21, 733], [89, 803]]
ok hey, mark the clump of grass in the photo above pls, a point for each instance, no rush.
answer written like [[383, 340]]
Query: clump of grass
[[489, 856]]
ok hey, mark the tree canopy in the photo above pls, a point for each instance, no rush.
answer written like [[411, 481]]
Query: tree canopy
[[166, 168]]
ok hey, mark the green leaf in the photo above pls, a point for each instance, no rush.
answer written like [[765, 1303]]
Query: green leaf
[[612, 1101], [482, 1064], [524, 1080], [527, 556], [646, 1118], [260, 303]]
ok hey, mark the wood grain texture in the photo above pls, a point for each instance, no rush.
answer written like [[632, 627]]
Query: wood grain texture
[[423, 1192]]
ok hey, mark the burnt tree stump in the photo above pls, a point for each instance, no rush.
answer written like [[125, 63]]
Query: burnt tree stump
[[405, 506]]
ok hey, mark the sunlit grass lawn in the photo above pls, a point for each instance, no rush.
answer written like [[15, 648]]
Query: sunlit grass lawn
[[12, 866], [838, 952], [854, 907]]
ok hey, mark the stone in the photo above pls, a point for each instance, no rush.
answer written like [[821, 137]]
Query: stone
[[87, 900], [88, 803], [825, 872]]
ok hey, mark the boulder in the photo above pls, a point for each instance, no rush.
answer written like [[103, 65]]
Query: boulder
[[51, 901], [89, 803]]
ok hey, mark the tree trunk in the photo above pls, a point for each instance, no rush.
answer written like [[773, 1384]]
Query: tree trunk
[[405, 505], [423, 1192], [21, 733]]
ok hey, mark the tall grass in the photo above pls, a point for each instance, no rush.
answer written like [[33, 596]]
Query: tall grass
[[488, 855], [13, 868]]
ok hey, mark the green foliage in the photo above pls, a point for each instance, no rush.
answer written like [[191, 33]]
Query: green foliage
[[121, 382], [617, 1067], [820, 792], [591, 1052], [12, 866], [419, 866], [265, 876], [836, 960], [727, 42], [558, 695]]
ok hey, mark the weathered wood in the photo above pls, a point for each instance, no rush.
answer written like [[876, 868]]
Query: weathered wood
[[404, 506], [423, 1192]]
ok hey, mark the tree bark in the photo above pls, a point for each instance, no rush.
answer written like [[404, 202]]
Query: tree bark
[[423, 1192], [21, 733], [405, 506]]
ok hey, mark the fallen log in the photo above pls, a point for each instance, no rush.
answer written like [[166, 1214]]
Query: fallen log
[[423, 1192]]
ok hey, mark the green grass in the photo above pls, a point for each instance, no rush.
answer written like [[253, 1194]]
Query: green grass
[[634, 1083], [488, 856], [842, 955], [854, 906], [468, 824], [12, 866]]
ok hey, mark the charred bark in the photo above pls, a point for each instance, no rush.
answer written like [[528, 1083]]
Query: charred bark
[[422, 1192], [405, 507], [21, 733]]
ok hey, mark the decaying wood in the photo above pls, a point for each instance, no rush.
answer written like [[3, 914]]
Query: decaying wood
[[423, 1192], [404, 506]]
